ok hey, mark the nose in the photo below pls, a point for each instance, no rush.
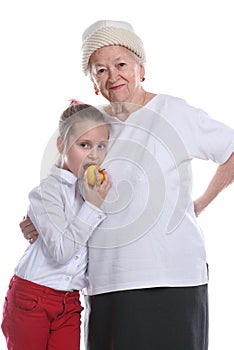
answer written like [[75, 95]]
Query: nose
[[113, 75], [93, 154]]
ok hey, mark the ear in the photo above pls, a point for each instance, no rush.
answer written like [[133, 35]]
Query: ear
[[60, 145], [142, 71], [96, 89]]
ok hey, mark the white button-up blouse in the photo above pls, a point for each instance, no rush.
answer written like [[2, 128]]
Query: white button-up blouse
[[64, 221]]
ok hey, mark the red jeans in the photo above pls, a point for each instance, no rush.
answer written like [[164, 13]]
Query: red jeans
[[36, 317]]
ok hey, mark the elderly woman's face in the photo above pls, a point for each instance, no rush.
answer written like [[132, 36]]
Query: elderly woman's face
[[116, 73]]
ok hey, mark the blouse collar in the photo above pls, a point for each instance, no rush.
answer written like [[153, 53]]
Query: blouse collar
[[65, 175]]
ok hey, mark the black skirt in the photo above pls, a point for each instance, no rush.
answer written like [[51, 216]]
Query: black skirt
[[165, 318]]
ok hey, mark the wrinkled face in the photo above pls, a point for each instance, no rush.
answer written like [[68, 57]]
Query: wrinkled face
[[86, 147], [116, 72]]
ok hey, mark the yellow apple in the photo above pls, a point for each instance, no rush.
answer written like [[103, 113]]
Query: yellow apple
[[91, 176]]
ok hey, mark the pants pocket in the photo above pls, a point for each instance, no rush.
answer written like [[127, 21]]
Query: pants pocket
[[24, 301]]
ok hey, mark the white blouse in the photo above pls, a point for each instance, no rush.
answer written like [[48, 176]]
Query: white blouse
[[58, 258], [150, 237]]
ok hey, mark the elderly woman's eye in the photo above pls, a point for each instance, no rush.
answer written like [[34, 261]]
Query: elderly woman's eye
[[101, 70], [122, 64]]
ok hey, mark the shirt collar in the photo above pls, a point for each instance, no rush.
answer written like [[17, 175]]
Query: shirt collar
[[65, 175]]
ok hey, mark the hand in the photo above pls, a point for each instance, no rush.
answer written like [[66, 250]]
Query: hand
[[198, 206], [28, 230], [97, 193]]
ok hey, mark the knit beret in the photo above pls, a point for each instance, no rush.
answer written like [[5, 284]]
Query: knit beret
[[107, 33]]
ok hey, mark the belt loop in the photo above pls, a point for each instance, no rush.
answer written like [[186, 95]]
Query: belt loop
[[11, 281]]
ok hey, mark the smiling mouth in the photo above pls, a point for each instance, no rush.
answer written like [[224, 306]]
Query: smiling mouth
[[116, 87]]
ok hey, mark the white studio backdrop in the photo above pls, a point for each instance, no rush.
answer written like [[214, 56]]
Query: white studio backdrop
[[189, 46]]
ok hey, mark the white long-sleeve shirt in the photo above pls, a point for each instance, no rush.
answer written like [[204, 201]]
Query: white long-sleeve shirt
[[150, 237], [58, 258]]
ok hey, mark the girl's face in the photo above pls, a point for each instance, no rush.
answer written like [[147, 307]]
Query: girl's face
[[116, 73], [87, 145]]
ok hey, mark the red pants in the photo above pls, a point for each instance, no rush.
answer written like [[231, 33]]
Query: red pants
[[36, 317]]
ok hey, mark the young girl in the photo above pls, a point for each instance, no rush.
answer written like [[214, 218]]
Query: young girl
[[42, 307]]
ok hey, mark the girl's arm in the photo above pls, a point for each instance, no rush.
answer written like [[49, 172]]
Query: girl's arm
[[62, 230], [29, 230]]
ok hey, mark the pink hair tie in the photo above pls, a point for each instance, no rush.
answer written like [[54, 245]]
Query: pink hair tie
[[74, 100]]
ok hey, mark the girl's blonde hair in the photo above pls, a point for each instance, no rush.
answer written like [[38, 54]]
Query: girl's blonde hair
[[72, 115]]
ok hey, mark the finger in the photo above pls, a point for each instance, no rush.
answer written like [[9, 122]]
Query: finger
[[106, 183], [25, 222], [31, 235], [104, 188], [28, 229], [98, 178], [33, 239]]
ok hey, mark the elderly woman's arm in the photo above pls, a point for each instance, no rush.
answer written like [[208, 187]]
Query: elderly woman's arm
[[223, 177]]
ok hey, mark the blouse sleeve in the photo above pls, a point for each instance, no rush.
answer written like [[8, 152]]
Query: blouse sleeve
[[203, 137], [214, 140], [62, 233]]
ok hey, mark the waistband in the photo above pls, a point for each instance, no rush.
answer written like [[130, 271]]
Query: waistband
[[19, 283]]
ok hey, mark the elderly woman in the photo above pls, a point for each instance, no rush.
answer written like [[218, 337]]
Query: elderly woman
[[148, 272], [148, 289]]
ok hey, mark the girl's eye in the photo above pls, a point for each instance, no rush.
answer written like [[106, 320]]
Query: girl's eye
[[102, 146], [84, 145]]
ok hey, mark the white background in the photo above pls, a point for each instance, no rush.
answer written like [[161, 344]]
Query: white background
[[189, 46]]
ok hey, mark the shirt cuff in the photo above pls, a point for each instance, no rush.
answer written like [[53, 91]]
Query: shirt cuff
[[88, 219]]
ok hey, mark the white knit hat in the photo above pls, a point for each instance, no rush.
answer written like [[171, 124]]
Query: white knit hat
[[107, 33]]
